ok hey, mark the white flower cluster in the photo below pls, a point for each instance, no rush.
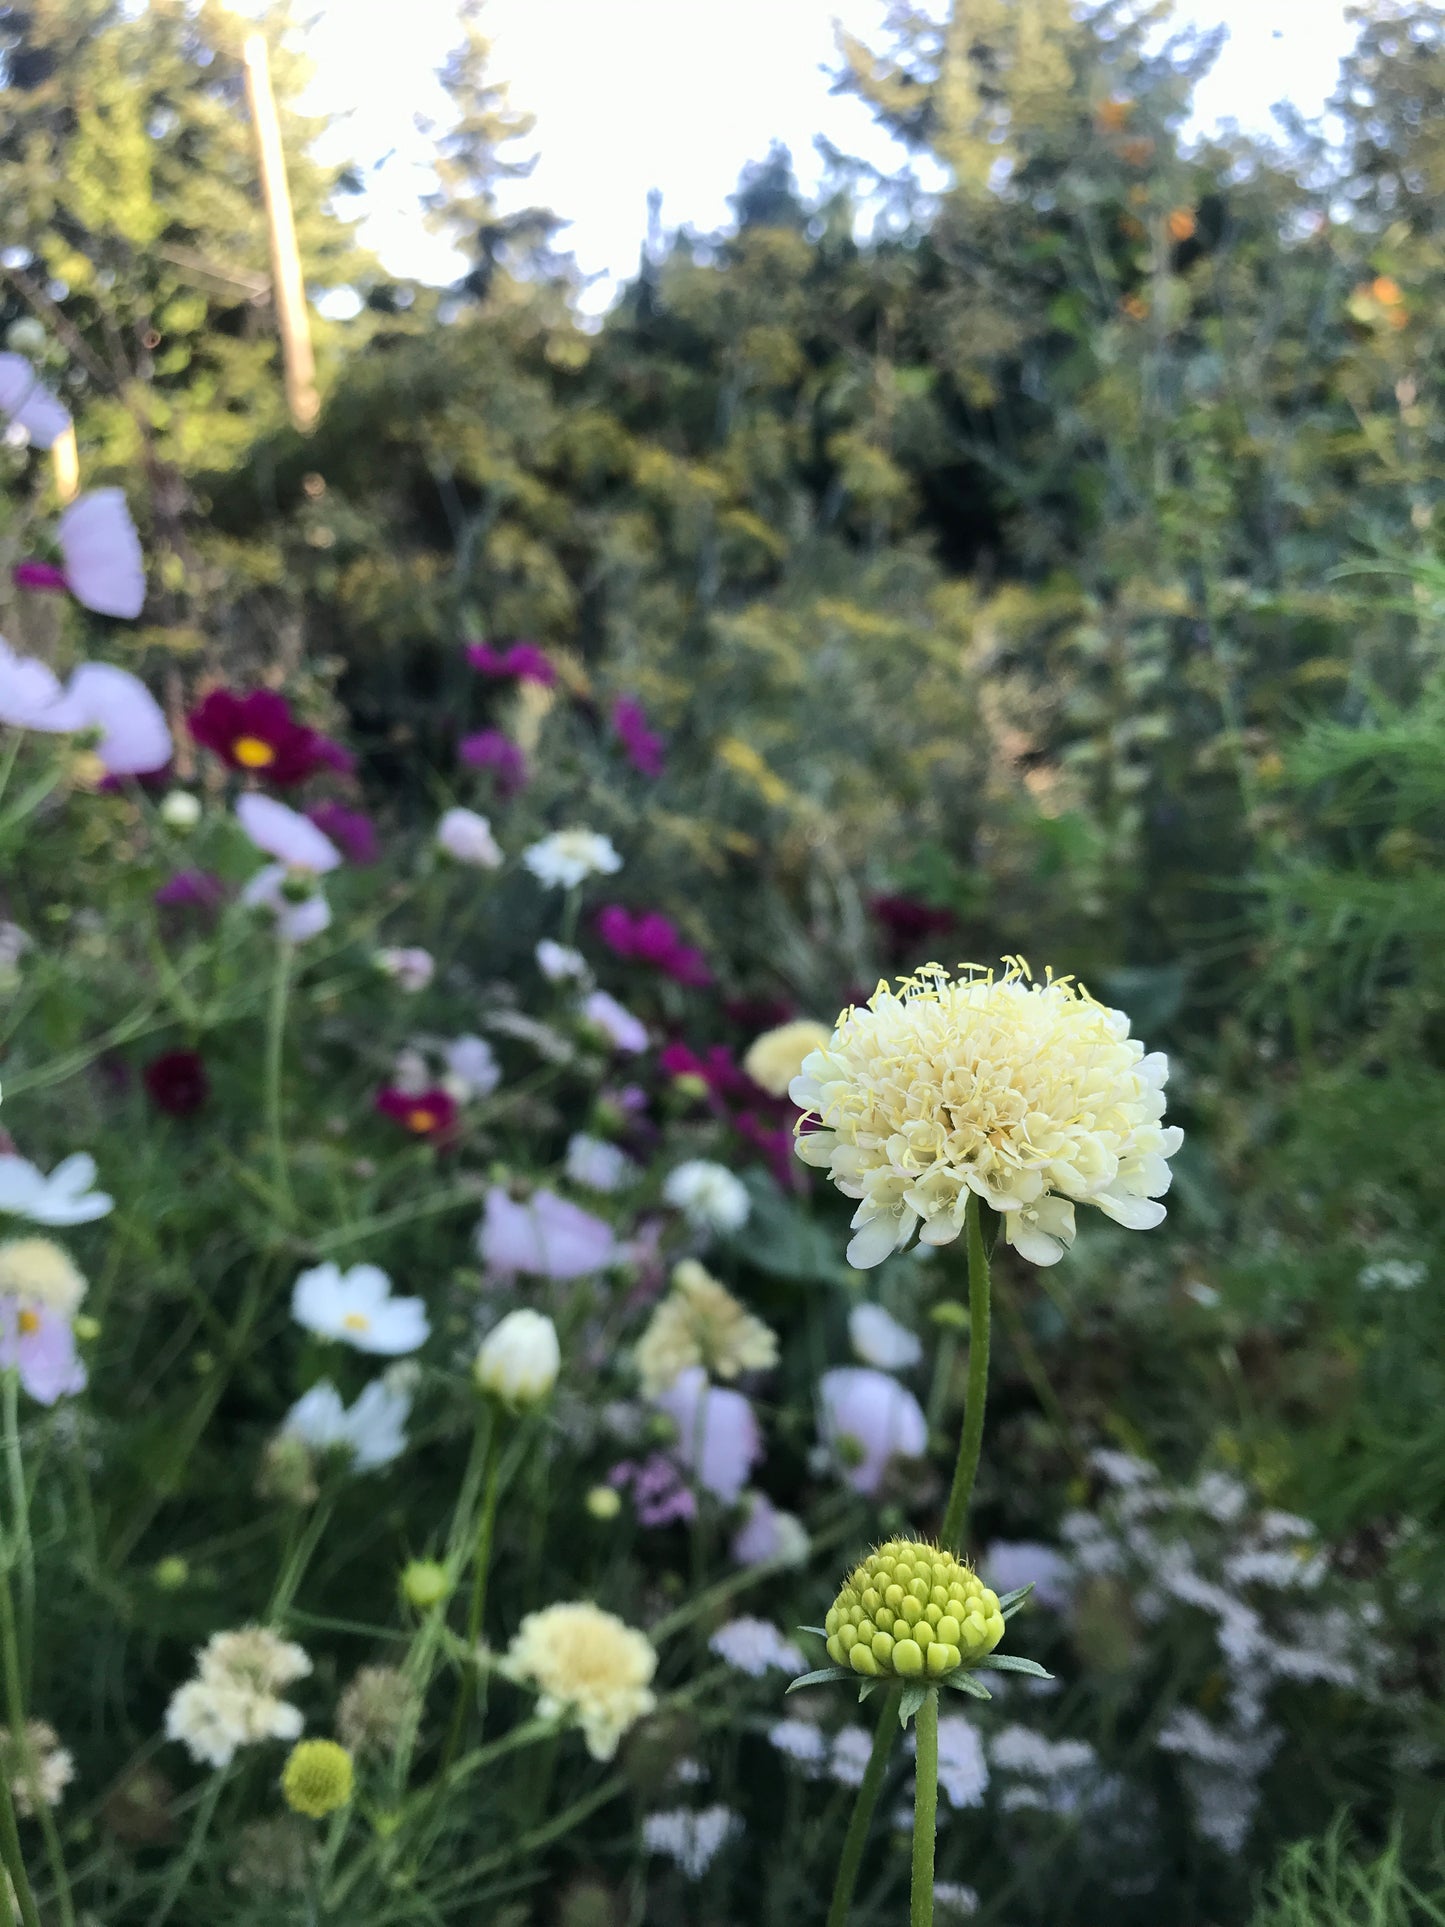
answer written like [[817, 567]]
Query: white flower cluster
[[752, 1646], [691, 1840], [234, 1700]]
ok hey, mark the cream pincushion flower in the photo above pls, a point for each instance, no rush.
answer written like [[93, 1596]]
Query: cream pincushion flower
[[1031, 1096], [774, 1059], [37, 1269], [589, 1665], [701, 1323]]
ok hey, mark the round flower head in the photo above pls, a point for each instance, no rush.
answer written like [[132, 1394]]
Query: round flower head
[[708, 1195], [39, 1768], [588, 1664], [376, 1709], [568, 857], [39, 1271], [912, 1612], [357, 1307], [1030, 1096], [774, 1059], [520, 1358], [467, 838], [700, 1322], [317, 1778]]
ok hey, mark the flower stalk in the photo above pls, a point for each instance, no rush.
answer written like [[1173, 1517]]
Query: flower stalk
[[863, 1806], [925, 1812], [970, 1443]]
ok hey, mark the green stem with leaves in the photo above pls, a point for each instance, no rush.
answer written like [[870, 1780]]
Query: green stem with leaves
[[970, 1444], [275, 1044], [481, 1565], [925, 1812], [863, 1805]]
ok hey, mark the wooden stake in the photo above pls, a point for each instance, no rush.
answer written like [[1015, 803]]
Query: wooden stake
[[291, 315], [65, 460]]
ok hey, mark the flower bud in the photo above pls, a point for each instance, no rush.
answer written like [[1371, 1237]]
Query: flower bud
[[317, 1778], [520, 1359], [180, 810], [911, 1611], [604, 1502], [424, 1584], [26, 336], [171, 1573]]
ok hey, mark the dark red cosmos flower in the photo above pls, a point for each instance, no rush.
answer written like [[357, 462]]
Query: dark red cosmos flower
[[428, 1114], [258, 734], [490, 749], [524, 660], [176, 1082], [352, 830], [908, 921], [643, 746], [648, 937]]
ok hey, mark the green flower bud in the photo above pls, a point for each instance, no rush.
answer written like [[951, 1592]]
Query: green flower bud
[[424, 1583], [171, 1573], [911, 1611], [604, 1502], [317, 1778]]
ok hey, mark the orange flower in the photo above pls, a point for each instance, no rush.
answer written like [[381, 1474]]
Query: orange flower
[[1135, 307], [1114, 114], [1386, 291], [1181, 224]]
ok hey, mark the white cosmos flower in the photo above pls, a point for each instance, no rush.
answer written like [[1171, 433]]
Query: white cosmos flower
[[623, 1031], [302, 852], [356, 1307], [100, 554], [467, 838], [708, 1195], [559, 961], [596, 1164], [568, 857], [65, 1197], [26, 401], [878, 1339], [373, 1431], [298, 914], [133, 734], [413, 968], [472, 1063]]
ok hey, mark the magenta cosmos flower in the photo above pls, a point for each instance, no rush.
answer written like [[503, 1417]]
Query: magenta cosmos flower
[[258, 734], [100, 556], [644, 748], [491, 749], [426, 1114], [546, 1236], [351, 830], [37, 1341], [646, 936], [524, 661]]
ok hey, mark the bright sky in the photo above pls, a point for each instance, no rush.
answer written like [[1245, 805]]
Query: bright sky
[[678, 94]]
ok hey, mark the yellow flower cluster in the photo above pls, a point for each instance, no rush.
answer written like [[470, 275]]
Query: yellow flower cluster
[[701, 1323], [1031, 1096], [911, 1611], [774, 1059], [587, 1665]]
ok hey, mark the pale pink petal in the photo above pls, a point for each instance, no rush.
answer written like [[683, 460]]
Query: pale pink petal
[[25, 399], [101, 553], [291, 838], [30, 694], [134, 736]]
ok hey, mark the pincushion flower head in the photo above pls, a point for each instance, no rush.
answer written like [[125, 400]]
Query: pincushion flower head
[[234, 1699], [773, 1060], [587, 1665], [1030, 1096], [700, 1322], [708, 1195], [257, 734], [568, 857], [467, 838], [356, 1307]]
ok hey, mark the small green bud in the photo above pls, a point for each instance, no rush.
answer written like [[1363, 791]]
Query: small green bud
[[950, 1314], [424, 1584], [171, 1573], [909, 1611], [604, 1502], [317, 1778]]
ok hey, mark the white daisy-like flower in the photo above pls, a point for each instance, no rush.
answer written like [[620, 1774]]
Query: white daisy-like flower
[[597, 1165], [568, 857], [472, 1068], [622, 1030], [752, 1646], [411, 967], [356, 1307], [1030, 1096], [878, 1339], [467, 838], [65, 1197], [560, 963], [373, 1430], [708, 1195], [691, 1840]]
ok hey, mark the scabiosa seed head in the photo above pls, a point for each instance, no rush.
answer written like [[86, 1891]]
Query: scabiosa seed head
[[911, 1611], [317, 1778]]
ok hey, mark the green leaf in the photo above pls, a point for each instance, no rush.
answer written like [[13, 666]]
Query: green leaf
[[1010, 1602], [913, 1697], [823, 1673], [962, 1682], [1011, 1663], [865, 1687], [821, 1631]]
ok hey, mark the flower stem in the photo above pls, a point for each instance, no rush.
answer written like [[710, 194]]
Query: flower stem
[[15, 1718], [925, 1812], [184, 1863], [14, 1865], [20, 1518], [481, 1563], [857, 1835], [970, 1443], [275, 1042]]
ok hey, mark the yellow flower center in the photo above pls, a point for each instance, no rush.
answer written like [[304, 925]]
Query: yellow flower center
[[251, 753], [357, 1321], [421, 1120], [29, 1322]]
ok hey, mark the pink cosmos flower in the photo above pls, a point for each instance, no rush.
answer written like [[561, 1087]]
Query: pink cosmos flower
[[100, 556], [624, 1031], [866, 1419], [718, 1439], [646, 936], [38, 1341], [767, 1534], [352, 830], [133, 737], [26, 401], [426, 1114], [285, 834], [491, 749], [658, 1493], [643, 747], [546, 1235], [524, 660]]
